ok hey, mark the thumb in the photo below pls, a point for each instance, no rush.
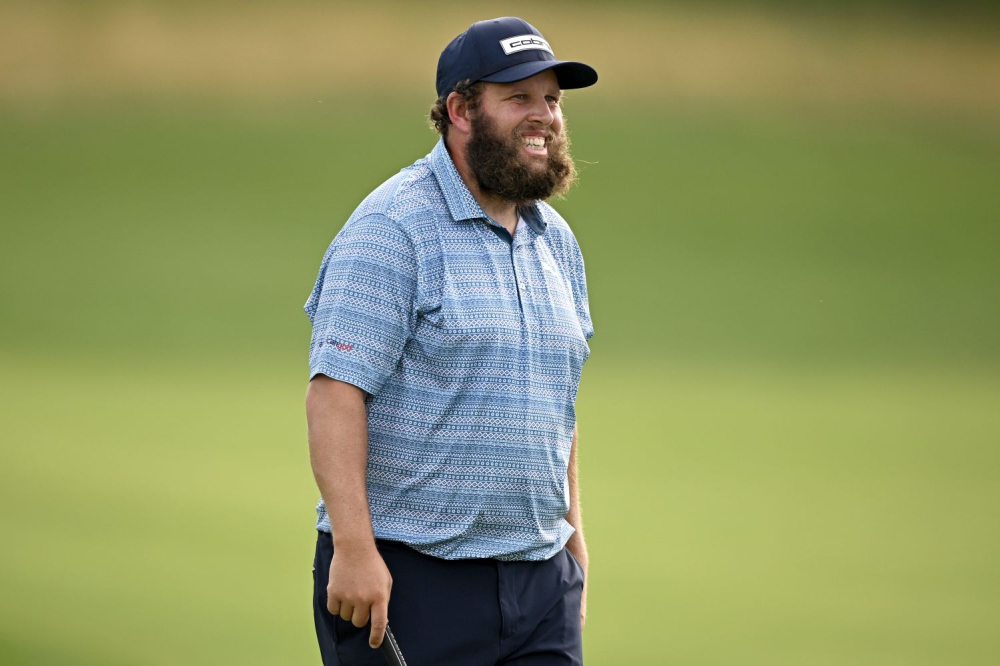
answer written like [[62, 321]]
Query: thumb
[[380, 620]]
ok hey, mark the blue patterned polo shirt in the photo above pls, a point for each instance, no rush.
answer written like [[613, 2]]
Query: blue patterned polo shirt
[[469, 344]]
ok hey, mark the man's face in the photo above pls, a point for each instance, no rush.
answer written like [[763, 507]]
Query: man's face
[[518, 149]]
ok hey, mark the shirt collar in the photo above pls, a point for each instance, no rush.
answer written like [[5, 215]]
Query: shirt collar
[[461, 204]]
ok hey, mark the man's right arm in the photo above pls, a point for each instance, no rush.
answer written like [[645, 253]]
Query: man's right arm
[[360, 583]]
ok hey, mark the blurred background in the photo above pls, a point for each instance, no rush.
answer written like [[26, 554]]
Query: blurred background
[[789, 422]]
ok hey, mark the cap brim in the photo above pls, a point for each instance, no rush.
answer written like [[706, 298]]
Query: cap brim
[[571, 75]]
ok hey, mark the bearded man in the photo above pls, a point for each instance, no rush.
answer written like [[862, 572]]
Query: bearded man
[[450, 326]]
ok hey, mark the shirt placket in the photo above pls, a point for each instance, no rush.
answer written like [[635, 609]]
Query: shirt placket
[[521, 258], [518, 257], [519, 250]]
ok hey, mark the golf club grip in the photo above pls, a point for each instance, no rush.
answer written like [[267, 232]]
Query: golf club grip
[[390, 648]]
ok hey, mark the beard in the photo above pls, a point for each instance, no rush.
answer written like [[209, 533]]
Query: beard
[[501, 169]]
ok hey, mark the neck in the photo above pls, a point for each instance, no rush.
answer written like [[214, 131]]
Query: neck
[[503, 211]]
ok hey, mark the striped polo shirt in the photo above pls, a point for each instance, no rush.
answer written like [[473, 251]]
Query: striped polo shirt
[[469, 344]]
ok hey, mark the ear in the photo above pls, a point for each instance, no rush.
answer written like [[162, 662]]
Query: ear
[[458, 112]]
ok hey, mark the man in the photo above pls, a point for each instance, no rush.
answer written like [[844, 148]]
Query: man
[[450, 326]]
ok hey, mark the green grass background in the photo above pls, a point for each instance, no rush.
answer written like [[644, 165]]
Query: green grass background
[[789, 422]]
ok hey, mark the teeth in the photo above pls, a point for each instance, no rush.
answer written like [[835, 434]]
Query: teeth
[[534, 141]]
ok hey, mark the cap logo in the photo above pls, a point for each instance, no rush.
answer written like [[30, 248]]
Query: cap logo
[[524, 43]]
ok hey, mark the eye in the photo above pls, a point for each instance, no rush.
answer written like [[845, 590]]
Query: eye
[[552, 99], [519, 96]]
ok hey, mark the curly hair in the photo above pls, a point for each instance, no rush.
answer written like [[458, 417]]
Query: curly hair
[[438, 117]]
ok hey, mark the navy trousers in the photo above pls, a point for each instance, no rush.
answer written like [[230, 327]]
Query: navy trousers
[[480, 612]]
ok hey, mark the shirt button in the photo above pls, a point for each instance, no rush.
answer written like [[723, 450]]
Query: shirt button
[[522, 286]]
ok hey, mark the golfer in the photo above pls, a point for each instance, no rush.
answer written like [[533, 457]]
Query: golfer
[[450, 326]]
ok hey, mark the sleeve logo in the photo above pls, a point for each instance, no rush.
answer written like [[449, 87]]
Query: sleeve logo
[[341, 346], [524, 43]]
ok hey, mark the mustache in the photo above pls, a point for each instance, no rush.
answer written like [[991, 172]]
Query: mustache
[[549, 134]]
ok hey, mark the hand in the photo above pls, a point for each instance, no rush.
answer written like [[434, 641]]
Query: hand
[[359, 589]]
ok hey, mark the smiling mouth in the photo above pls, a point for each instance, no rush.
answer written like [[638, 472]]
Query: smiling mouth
[[534, 144]]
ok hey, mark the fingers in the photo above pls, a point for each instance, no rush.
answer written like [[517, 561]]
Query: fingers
[[360, 616], [346, 611], [356, 615], [380, 620]]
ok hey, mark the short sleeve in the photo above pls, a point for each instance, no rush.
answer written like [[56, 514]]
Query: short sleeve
[[362, 306]]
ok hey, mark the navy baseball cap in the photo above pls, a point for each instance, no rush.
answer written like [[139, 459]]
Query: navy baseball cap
[[504, 50]]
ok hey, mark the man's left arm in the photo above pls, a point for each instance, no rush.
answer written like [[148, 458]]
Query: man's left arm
[[576, 544]]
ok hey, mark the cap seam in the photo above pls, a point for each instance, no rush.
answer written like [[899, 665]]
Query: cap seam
[[479, 54]]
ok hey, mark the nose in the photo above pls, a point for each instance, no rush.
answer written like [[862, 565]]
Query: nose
[[541, 112]]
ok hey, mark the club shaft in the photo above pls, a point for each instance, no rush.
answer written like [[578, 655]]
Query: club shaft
[[390, 648]]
